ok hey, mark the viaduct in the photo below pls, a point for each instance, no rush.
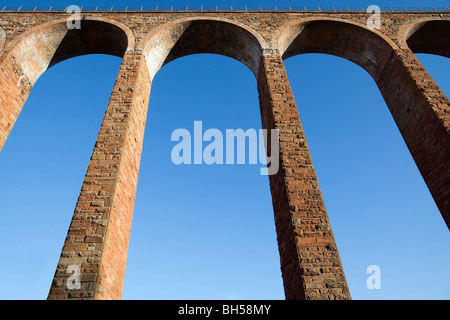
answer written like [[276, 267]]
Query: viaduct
[[98, 236]]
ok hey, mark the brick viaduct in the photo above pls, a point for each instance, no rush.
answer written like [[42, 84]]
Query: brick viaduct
[[98, 236]]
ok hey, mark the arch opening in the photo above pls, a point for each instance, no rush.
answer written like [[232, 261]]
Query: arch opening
[[339, 38], [27, 57], [202, 36], [430, 43], [367, 177], [93, 37], [216, 240], [430, 37], [46, 45], [423, 124]]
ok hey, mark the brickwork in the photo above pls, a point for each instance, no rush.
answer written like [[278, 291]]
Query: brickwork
[[98, 235], [310, 262], [97, 240]]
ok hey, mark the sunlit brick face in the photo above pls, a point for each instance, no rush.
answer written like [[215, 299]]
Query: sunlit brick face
[[98, 236]]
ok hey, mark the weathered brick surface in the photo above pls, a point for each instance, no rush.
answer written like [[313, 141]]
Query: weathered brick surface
[[98, 235], [310, 262]]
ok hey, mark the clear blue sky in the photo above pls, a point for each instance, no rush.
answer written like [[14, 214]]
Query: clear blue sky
[[207, 232]]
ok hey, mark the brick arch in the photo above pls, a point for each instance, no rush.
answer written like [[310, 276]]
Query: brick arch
[[370, 49], [424, 126], [427, 36], [29, 55], [98, 235], [50, 43], [203, 35]]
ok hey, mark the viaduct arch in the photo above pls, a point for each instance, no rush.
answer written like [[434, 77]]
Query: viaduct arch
[[379, 56], [203, 35], [27, 56], [98, 235], [428, 36]]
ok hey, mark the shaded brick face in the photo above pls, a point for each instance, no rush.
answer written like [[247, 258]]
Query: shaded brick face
[[98, 236]]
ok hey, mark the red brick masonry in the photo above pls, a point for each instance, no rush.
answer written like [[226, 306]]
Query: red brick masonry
[[98, 236]]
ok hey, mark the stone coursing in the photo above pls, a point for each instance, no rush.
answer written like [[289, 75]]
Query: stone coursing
[[98, 236]]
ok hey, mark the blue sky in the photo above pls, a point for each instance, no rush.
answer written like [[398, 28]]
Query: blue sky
[[207, 232]]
